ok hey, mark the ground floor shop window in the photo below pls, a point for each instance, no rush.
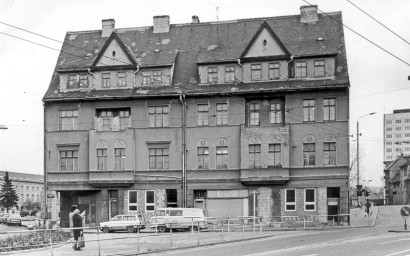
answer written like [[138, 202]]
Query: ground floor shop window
[[132, 201], [172, 198], [310, 200], [290, 200], [149, 201]]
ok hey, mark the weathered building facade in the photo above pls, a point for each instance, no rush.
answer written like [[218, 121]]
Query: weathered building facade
[[217, 115]]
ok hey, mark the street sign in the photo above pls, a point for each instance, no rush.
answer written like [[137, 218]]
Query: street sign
[[50, 196], [405, 211]]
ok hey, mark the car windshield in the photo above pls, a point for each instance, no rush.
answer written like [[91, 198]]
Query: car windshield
[[117, 218]]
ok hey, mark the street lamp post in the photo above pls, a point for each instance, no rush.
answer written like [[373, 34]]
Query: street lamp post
[[357, 151]]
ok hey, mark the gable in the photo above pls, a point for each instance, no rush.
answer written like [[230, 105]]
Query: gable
[[265, 45], [113, 54]]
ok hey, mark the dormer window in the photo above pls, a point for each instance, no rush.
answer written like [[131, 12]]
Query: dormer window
[[72, 82], [273, 71], [229, 74], [300, 69], [256, 72], [212, 75], [152, 77], [319, 68], [157, 77], [83, 81]]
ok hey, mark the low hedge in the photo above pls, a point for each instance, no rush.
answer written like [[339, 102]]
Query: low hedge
[[32, 240]]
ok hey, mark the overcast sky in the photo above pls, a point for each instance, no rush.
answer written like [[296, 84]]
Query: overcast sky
[[378, 80]]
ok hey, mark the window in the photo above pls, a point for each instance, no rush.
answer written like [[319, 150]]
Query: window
[[158, 116], [254, 156], [68, 120], [254, 114], [102, 159], [68, 160], [329, 109], [389, 136], [275, 113], [398, 121], [203, 114], [389, 150], [309, 110], [407, 121], [256, 72], [300, 69], [157, 77], [398, 128], [274, 71], [106, 80], [212, 75], [222, 157], [72, 82], [319, 68], [119, 159], [407, 128], [203, 157], [172, 198], [113, 119], [310, 200], [388, 129], [407, 135], [329, 153], [398, 135], [159, 158], [221, 113], [389, 143], [309, 154], [122, 79], [149, 201], [275, 154], [132, 201], [83, 81], [229, 74], [146, 78], [398, 149], [388, 121], [290, 200]]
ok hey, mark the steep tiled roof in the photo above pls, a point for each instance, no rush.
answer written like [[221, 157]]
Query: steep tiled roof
[[185, 45]]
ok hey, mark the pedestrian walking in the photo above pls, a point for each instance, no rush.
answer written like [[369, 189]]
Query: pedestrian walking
[[70, 219], [77, 223]]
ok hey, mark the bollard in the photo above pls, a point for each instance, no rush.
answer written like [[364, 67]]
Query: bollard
[[304, 223], [170, 233], [51, 244], [98, 237]]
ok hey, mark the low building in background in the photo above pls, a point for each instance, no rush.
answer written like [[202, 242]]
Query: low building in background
[[397, 181]]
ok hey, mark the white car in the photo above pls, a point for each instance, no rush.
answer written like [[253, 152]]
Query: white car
[[14, 219], [129, 223]]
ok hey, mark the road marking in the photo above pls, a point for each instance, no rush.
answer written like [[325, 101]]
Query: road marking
[[397, 253], [395, 241]]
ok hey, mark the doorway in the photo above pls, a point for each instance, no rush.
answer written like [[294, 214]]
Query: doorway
[[113, 203]]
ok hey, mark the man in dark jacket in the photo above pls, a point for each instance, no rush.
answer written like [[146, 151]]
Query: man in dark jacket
[[77, 223]]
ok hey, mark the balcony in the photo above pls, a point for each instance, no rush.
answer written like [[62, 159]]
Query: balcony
[[266, 176]]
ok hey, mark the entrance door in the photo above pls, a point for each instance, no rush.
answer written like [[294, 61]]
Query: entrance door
[[113, 203]]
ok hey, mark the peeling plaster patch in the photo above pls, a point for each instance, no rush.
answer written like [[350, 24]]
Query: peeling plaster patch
[[85, 43], [339, 69], [96, 51], [133, 44], [212, 47], [72, 37], [165, 41]]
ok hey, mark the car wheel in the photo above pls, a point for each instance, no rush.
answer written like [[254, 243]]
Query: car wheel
[[162, 229], [130, 229], [105, 230], [195, 228]]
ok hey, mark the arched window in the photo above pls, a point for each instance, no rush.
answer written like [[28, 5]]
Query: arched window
[[222, 159], [329, 149], [202, 157], [119, 155], [102, 155], [309, 150]]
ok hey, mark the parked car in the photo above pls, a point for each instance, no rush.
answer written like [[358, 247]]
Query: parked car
[[14, 219], [178, 218], [3, 218], [129, 223]]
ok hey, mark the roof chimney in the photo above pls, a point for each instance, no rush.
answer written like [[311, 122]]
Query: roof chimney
[[308, 14], [108, 26], [195, 19], [161, 24]]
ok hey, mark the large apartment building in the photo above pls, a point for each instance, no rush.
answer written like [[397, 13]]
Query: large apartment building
[[396, 134], [223, 116]]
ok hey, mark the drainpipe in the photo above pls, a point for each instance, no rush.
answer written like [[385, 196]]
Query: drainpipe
[[289, 67], [45, 166], [93, 74], [184, 185], [135, 72]]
